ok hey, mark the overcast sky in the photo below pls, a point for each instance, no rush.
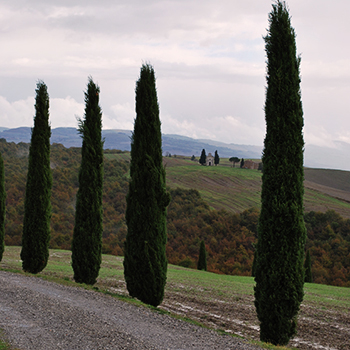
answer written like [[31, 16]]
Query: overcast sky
[[209, 59]]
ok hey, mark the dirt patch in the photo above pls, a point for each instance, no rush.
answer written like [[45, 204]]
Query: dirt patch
[[326, 329], [339, 194]]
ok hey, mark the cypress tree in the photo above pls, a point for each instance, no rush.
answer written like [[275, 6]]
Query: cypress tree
[[216, 158], [87, 235], [145, 263], [2, 207], [203, 158], [242, 163], [307, 268], [37, 205], [202, 259], [279, 271]]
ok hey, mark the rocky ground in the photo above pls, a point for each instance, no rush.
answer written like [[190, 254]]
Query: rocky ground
[[36, 314]]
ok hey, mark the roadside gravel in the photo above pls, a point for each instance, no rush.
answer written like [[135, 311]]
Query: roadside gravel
[[37, 314]]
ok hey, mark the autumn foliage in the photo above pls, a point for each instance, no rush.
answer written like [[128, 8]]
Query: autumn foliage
[[229, 237]]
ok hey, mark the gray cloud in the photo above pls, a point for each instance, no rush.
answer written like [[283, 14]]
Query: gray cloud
[[208, 56]]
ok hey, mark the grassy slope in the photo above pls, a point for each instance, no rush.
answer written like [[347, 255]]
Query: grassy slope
[[235, 189], [211, 290]]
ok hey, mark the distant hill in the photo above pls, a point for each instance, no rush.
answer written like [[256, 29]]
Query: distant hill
[[335, 157], [236, 189], [120, 139]]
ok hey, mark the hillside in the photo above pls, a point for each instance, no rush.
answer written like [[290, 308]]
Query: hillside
[[235, 189], [336, 156], [120, 139], [229, 232]]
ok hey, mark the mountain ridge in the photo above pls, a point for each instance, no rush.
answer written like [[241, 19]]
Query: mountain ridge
[[336, 157], [121, 139]]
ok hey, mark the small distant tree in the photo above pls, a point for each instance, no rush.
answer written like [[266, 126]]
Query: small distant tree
[[234, 160], [307, 268], [37, 204], [2, 207], [216, 158], [193, 158], [203, 158], [202, 259], [87, 235], [242, 163]]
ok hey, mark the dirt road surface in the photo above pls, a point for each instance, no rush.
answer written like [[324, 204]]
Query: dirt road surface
[[41, 315]]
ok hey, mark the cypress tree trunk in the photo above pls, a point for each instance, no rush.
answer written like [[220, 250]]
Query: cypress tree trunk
[[202, 259], [307, 267], [2, 207], [279, 271], [37, 205], [87, 235], [145, 263]]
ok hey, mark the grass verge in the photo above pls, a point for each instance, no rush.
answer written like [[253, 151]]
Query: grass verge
[[220, 302]]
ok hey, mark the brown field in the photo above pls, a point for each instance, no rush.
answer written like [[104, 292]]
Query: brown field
[[235, 189]]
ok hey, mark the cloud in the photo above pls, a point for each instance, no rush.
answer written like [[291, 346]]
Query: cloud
[[208, 56], [65, 111], [122, 118], [226, 129], [17, 113]]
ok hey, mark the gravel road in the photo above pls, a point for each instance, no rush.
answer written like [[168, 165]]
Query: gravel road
[[41, 315]]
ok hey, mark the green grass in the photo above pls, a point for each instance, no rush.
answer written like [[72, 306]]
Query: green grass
[[209, 285], [124, 156], [314, 197], [323, 296], [235, 189], [205, 288], [222, 187], [4, 345]]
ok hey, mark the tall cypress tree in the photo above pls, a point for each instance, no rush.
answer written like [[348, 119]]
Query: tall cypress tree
[[2, 207], [279, 271], [145, 263], [202, 259], [37, 205], [87, 235]]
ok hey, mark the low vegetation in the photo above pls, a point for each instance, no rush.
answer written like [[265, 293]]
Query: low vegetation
[[217, 301], [229, 234]]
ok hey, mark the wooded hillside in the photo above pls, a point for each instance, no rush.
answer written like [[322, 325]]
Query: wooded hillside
[[229, 236]]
